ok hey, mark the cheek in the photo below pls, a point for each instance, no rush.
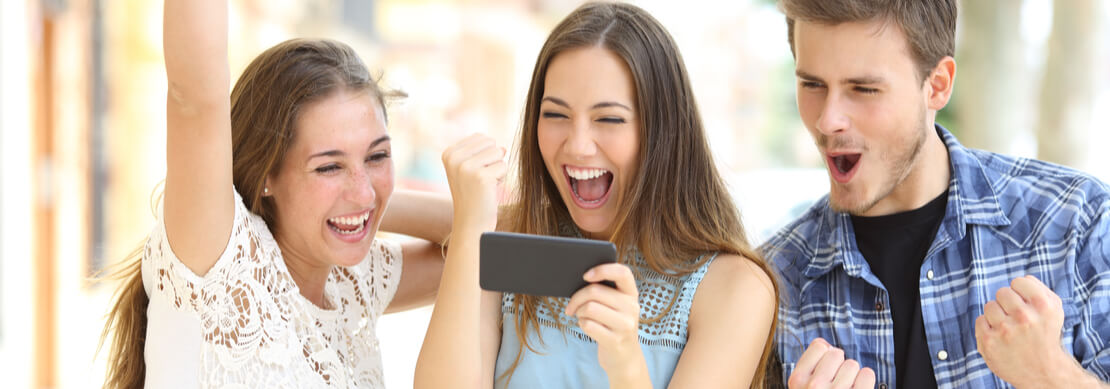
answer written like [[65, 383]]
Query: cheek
[[549, 140], [809, 108], [383, 181], [621, 147], [299, 206]]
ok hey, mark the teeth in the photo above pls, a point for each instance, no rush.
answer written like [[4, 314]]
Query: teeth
[[352, 232], [351, 220], [585, 174]]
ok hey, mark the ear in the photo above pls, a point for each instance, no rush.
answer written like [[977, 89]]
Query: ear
[[940, 82]]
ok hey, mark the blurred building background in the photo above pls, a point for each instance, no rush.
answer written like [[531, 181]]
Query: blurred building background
[[82, 125]]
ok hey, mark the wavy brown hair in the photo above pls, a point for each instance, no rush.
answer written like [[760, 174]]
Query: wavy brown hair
[[265, 103], [677, 209]]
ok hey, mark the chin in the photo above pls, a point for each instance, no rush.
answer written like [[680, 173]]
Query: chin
[[592, 225], [351, 257], [852, 204]]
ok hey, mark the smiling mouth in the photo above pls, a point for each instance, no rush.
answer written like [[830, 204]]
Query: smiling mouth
[[349, 225], [590, 186]]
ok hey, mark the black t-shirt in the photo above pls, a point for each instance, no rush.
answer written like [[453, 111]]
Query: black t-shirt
[[895, 247]]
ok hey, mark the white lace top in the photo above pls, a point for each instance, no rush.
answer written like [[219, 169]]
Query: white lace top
[[245, 323]]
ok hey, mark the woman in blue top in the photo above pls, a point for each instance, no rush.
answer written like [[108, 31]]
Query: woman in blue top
[[612, 149]]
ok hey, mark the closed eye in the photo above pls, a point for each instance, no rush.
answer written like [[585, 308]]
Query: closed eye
[[812, 84], [866, 90], [611, 120], [378, 156], [327, 168], [553, 115]]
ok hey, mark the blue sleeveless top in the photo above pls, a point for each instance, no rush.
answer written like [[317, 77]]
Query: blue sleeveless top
[[567, 358]]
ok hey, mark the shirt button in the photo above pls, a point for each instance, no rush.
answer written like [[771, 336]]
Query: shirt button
[[882, 386], [929, 274], [942, 355], [879, 306]]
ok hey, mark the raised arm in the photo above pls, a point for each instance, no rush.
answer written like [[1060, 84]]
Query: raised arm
[[427, 217], [418, 214], [463, 336], [199, 204]]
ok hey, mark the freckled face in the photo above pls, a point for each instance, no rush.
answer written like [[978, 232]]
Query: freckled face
[[335, 180]]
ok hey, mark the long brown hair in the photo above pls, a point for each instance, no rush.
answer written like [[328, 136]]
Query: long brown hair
[[265, 103], [677, 209]]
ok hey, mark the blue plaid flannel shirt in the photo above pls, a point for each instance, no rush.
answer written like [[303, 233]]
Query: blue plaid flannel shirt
[[1006, 217]]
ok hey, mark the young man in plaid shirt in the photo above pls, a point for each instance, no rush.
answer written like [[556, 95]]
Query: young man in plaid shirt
[[929, 264]]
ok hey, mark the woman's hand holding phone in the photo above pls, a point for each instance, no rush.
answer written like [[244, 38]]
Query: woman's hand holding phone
[[611, 316], [474, 167]]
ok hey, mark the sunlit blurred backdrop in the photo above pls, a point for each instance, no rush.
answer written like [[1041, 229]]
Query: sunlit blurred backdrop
[[82, 147]]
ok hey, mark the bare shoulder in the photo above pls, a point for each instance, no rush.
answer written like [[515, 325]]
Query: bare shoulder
[[734, 284]]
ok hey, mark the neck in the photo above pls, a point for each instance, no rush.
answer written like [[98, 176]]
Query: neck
[[310, 277], [927, 179]]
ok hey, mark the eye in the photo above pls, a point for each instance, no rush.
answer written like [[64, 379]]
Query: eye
[[553, 115], [611, 120], [866, 90], [330, 168], [378, 156], [811, 85]]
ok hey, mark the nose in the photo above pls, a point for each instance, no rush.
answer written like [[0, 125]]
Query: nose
[[833, 117], [361, 188], [580, 142]]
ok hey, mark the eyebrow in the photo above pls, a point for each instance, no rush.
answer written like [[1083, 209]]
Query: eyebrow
[[340, 153], [863, 80], [603, 104]]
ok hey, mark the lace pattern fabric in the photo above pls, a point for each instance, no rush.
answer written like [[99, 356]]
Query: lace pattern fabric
[[258, 330]]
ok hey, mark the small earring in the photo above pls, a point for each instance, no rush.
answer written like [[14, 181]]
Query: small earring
[[266, 190]]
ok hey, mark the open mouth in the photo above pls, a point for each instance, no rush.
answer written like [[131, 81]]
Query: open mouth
[[843, 166], [350, 225], [590, 186]]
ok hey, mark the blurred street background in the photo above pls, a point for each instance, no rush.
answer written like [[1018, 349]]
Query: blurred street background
[[82, 123]]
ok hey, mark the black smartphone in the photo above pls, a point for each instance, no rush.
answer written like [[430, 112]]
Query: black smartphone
[[539, 265]]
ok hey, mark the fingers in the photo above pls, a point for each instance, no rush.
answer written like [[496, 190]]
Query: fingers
[[846, 375], [468, 146], [1025, 300], [603, 295], [1029, 286], [607, 314], [1035, 293], [824, 366], [476, 150], [1011, 303], [486, 156], [596, 331], [620, 274], [981, 326], [609, 320], [865, 379], [828, 365], [994, 314], [474, 166], [808, 361]]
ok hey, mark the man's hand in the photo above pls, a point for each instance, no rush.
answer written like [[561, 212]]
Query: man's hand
[[1019, 334], [824, 366]]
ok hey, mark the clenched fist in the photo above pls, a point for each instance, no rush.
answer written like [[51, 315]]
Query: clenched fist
[[824, 366], [1018, 333]]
